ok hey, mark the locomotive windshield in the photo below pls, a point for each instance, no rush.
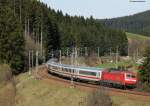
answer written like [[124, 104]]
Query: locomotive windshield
[[130, 76]]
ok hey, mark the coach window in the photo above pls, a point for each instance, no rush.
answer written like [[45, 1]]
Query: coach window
[[69, 70], [87, 73], [64, 69]]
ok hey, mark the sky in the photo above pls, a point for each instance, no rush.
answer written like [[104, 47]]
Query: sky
[[99, 9]]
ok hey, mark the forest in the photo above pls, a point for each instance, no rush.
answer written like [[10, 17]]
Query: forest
[[138, 23], [24, 23]]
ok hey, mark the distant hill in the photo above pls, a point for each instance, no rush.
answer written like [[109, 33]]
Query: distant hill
[[137, 23], [137, 44]]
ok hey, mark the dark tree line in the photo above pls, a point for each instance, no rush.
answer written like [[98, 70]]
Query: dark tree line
[[80, 32], [138, 23], [21, 18], [11, 39]]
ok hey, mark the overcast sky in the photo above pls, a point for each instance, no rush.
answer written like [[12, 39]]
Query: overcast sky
[[98, 8]]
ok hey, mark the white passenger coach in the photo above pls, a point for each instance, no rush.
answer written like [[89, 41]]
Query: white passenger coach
[[77, 72]]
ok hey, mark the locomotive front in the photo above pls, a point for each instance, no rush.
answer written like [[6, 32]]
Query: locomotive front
[[130, 79]]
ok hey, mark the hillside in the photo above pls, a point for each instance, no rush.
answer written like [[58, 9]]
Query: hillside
[[137, 44], [138, 23], [34, 21], [47, 92]]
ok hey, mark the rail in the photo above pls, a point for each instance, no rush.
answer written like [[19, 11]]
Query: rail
[[92, 86]]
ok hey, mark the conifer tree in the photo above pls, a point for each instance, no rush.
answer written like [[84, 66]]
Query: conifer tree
[[11, 39], [145, 72]]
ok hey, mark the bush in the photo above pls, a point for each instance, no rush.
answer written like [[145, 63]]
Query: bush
[[98, 98], [8, 89], [145, 71], [5, 73]]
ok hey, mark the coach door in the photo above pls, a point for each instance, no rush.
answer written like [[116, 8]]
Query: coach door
[[99, 75]]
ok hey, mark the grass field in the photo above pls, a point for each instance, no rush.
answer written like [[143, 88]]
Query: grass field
[[121, 63], [123, 100], [113, 65], [137, 36], [37, 93]]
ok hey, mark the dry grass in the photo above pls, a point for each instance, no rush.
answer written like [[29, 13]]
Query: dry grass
[[7, 86], [137, 42], [7, 95], [37, 93], [123, 100], [40, 93]]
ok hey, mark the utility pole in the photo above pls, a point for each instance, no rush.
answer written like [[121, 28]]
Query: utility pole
[[86, 51], [110, 55], [32, 59], [128, 50], [110, 52], [60, 56], [98, 52], [76, 61], [117, 53], [76, 56], [67, 52], [137, 53], [72, 61]]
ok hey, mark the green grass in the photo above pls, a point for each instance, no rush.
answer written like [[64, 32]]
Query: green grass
[[121, 63], [137, 36], [113, 65]]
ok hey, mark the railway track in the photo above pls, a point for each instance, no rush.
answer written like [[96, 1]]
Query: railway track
[[44, 74]]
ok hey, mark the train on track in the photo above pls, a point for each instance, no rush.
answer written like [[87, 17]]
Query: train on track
[[113, 77]]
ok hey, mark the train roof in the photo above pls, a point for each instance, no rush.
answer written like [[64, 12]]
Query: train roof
[[93, 69], [113, 70]]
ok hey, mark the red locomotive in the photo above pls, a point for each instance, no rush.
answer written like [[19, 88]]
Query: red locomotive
[[119, 77]]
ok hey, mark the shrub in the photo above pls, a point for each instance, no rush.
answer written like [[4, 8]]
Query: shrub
[[5, 73], [145, 71], [98, 98]]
